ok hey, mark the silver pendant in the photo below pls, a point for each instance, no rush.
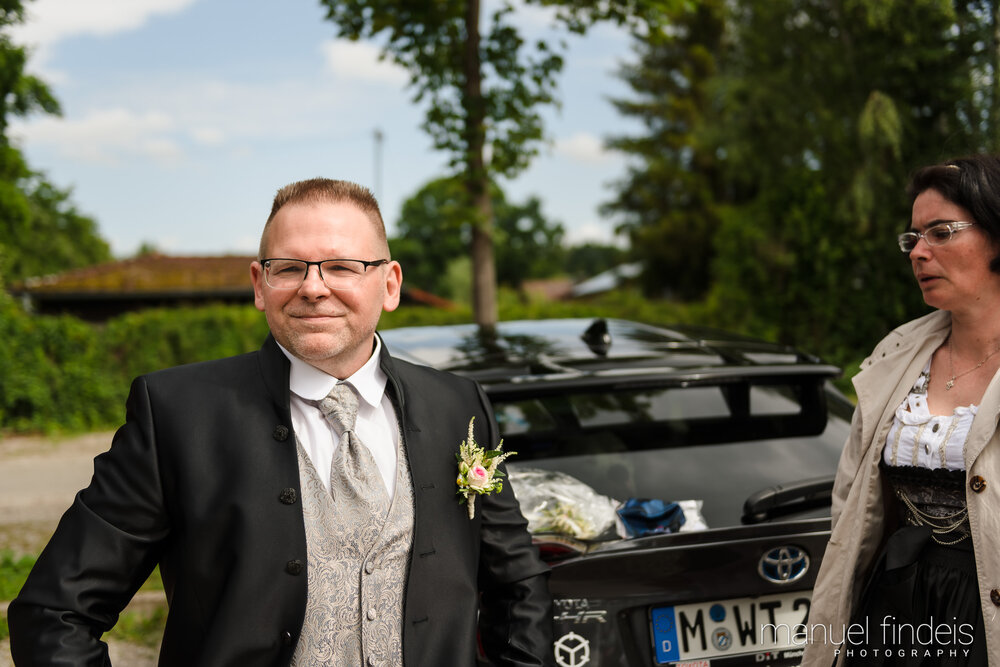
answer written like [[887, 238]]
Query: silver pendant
[[949, 384]]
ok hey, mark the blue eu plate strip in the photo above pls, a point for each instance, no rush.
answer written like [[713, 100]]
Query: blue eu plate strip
[[665, 635]]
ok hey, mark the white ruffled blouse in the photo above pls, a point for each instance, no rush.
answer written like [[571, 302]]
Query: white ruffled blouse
[[918, 438]]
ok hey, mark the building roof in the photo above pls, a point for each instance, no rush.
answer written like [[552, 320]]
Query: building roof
[[608, 280], [104, 290], [152, 274]]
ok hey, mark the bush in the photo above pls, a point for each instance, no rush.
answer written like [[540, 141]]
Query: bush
[[148, 340], [55, 374], [63, 374]]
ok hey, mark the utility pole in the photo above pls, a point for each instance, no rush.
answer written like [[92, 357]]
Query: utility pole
[[378, 164]]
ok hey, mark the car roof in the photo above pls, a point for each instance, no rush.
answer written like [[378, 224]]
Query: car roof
[[571, 349]]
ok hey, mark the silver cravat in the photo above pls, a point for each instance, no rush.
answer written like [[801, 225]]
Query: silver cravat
[[354, 475]]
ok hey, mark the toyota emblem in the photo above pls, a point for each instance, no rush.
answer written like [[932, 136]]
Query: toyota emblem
[[783, 565]]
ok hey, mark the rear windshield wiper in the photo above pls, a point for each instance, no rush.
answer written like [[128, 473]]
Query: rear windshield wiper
[[782, 499]]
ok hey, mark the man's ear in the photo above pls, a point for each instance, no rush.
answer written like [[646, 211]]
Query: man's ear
[[257, 278], [393, 286]]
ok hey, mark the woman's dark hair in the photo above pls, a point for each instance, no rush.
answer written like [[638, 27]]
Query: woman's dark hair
[[972, 182]]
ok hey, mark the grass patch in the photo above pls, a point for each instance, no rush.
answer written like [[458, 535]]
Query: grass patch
[[13, 571], [154, 583], [143, 628]]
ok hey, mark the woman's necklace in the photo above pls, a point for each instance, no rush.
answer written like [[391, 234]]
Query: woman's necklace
[[951, 366]]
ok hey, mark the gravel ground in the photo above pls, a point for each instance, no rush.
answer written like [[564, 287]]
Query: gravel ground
[[38, 479], [122, 655]]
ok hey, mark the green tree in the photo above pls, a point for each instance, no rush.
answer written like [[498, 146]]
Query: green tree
[[20, 93], [828, 107], [816, 112], [40, 231], [484, 91], [669, 196], [529, 245], [435, 227], [589, 259], [53, 236]]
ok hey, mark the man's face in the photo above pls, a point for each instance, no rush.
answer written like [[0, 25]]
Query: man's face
[[331, 329]]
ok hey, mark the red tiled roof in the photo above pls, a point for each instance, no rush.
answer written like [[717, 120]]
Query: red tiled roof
[[162, 275], [149, 274]]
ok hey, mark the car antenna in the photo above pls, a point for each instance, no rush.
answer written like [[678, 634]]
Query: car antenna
[[597, 337]]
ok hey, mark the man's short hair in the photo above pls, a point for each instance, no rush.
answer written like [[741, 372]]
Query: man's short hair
[[325, 190]]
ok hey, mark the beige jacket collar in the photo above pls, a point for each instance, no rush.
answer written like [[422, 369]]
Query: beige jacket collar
[[893, 368]]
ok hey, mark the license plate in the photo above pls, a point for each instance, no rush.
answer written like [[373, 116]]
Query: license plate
[[728, 627]]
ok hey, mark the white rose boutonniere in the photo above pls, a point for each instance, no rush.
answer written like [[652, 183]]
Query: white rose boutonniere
[[477, 470]]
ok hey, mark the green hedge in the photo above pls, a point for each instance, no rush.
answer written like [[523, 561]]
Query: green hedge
[[149, 340], [60, 374], [55, 374]]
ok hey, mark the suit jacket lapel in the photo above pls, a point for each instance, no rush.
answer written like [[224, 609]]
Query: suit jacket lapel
[[274, 368], [418, 456]]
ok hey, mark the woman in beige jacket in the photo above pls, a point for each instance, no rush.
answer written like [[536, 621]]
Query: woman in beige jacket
[[911, 575]]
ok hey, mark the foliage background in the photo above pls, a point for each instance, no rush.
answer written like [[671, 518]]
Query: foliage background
[[764, 192], [769, 180], [61, 374]]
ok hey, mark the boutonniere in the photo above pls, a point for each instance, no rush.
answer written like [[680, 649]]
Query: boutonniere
[[477, 470]]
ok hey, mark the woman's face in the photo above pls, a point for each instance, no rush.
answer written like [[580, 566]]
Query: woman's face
[[956, 274]]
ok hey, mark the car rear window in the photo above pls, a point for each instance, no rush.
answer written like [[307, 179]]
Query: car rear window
[[718, 443]]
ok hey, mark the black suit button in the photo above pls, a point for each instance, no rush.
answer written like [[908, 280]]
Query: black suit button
[[288, 496], [294, 567], [280, 433], [286, 638], [977, 484]]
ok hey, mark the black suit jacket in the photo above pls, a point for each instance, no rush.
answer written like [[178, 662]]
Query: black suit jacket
[[203, 479]]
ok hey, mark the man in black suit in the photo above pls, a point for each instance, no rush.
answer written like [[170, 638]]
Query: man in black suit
[[226, 475]]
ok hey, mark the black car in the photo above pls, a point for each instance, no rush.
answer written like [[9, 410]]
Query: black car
[[747, 434]]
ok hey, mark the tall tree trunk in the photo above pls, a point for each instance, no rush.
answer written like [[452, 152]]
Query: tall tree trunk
[[484, 282]]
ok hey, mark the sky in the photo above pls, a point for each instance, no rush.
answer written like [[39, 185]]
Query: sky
[[181, 118]]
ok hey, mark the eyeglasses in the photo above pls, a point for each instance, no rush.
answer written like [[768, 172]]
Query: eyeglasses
[[341, 274], [939, 234]]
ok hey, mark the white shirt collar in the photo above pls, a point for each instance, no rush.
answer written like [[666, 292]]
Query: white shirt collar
[[311, 384]]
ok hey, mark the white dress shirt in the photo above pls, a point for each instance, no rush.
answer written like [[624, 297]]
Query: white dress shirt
[[376, 426]]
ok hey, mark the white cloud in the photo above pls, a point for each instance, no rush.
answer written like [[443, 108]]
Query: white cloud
[[161, 149], [217, 113], [528, 17], [359, 61], [208, 136], [181, 118], [105, 137], [583, 147], [49, 21], [594, 232]]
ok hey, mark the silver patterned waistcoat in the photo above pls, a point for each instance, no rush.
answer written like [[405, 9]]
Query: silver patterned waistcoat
[[356, 572]]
